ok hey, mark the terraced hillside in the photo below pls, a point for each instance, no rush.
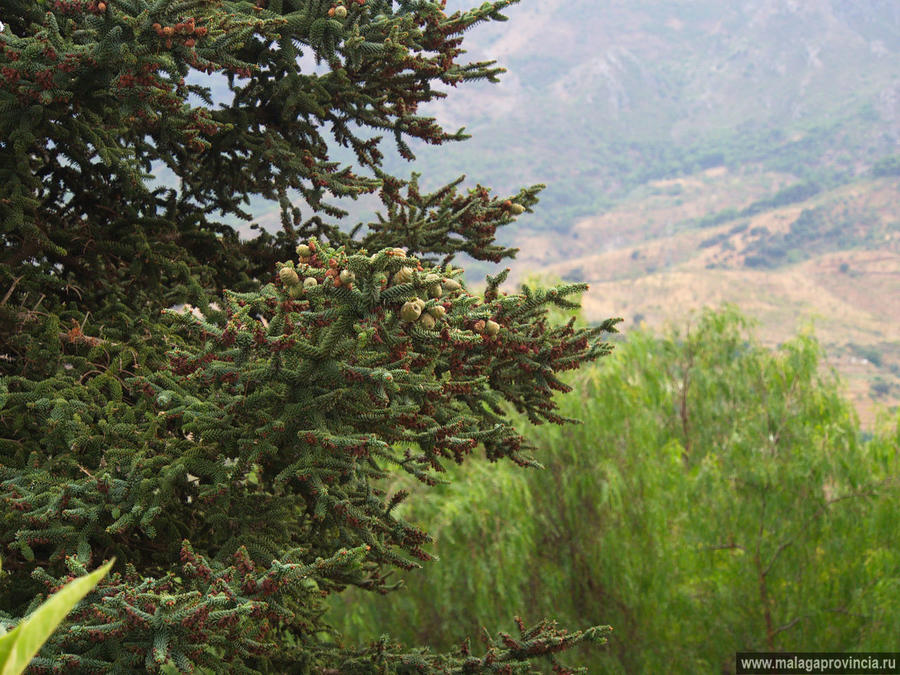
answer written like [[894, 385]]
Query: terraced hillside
[[831, 261]]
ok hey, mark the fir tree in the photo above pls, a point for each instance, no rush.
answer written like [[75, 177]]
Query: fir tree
[[229, 457]]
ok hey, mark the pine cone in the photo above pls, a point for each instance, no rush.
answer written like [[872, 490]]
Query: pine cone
[[411, 310], [288, 276], [403, 275]]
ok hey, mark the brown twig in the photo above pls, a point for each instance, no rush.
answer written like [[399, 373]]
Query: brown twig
[[11, 289]]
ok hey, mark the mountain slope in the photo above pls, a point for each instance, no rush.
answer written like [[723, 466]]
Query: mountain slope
[[832, 260]]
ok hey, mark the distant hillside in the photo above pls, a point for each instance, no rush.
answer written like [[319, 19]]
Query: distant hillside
[[831, 260], [602, 96]]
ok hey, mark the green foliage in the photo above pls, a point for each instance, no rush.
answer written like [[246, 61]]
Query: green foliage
[[879, 387], [889, 166], [813, 232], [228, 454], [718, 218], [792, 194], [716, 498], [868, 352], [19, 645]]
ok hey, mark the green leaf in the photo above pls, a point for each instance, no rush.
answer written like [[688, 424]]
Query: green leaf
[[19, 646]]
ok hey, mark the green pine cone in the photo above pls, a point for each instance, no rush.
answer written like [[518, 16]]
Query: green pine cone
[[411, 310], [289, 276], [403, 275]]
